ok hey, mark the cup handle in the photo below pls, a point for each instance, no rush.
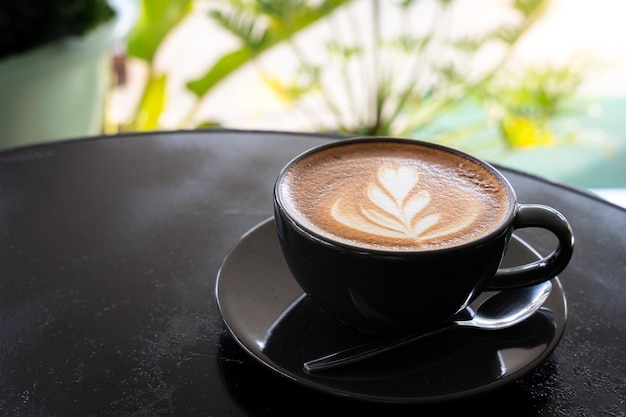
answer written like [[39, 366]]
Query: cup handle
[[534, 215]]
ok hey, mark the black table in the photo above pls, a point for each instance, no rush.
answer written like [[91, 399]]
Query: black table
[[109, 251]]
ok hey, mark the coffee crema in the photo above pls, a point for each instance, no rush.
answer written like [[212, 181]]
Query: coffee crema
[[391, 195]]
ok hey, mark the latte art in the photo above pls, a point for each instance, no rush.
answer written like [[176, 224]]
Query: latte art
[[393, 196], [393, 208]]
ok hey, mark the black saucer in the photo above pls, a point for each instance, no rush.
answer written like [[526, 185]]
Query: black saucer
[[270, 317]]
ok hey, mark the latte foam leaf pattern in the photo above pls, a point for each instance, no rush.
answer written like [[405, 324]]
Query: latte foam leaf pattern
[[396, 204]]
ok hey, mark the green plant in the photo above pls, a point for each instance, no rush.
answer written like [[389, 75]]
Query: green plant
[[358, 77], [27, 24], [523, 104], [259, 25], [400, 83], [517, 109]]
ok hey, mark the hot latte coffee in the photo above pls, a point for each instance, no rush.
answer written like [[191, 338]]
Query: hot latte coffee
[[390, 195]]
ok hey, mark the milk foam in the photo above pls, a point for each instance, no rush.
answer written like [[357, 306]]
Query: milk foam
[[394, 196], [393, 208]]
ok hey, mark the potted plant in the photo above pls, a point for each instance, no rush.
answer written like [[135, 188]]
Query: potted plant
[[54, 66]]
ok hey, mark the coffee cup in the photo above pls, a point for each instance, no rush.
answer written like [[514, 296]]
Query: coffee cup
[[394, 235]]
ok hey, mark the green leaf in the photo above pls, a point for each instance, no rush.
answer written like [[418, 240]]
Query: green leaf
[[151, 105], [285, 19], [248, 29], [226, 65], [156, 20], [530, 7], [508, 34], [209, 124], [469, 44]]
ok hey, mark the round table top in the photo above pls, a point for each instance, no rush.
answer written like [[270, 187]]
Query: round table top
[[109, 251]]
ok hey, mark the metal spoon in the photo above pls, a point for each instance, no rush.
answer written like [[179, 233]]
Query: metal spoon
[[503, 309]]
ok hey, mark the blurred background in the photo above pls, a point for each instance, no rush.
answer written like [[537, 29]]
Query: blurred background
[[537, 85]]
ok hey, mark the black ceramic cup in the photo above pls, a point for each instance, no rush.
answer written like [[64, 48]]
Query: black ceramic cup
[[393, 235]]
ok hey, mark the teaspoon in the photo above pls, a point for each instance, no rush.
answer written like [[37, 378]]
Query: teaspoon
[[504, 309]]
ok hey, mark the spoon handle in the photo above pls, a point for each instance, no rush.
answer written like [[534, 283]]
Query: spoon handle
[[367, 350]]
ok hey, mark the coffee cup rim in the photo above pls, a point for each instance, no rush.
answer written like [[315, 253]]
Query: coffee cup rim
[[328, 241]]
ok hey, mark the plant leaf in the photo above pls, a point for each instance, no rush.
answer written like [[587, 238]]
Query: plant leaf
[[151, 105], [286, 20], [156, 20]]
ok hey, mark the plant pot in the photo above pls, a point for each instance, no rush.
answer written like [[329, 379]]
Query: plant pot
[[57, 91]]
